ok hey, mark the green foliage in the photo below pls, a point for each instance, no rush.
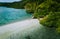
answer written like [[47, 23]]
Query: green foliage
[[44, 8], [49, 10], [30, 7], [19, 4], [52, 20], [49, 19]]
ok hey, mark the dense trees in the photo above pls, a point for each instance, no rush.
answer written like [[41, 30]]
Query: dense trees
[[31, 5], [50, 12], [19, 5]]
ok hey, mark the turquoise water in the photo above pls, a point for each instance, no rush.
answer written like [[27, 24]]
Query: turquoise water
[[20, 25], [9, 15]]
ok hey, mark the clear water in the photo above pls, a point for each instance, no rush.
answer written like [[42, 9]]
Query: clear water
[[8, 15], [23, 26]]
